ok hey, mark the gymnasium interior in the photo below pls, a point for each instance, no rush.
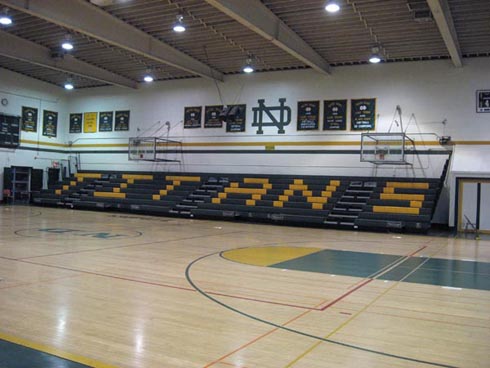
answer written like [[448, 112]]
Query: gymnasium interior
[[244, 183]]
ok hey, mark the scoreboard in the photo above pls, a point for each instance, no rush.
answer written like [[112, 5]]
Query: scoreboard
[[9, 130]]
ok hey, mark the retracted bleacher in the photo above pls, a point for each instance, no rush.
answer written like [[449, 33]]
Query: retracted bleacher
[[326, 201]]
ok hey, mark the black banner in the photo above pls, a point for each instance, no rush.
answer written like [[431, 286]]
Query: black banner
[[121, 120], [335, 115], [308, 112], [363, 114], [50, 123], [9, 130], [76, 123], [483, 101], [29, 119], [236, 118], [212, 116], [192, 117], [105, 121]]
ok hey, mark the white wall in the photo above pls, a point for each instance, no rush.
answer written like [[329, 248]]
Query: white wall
[[433, 91], [21, 91]]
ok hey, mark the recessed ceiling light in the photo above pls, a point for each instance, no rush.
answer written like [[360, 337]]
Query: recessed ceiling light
[[332, 7]]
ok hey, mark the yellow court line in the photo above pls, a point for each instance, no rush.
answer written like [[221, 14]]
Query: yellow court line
[[54, 351], [351, 318]]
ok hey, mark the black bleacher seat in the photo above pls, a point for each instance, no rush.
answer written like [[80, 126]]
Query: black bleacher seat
[[348, 202]]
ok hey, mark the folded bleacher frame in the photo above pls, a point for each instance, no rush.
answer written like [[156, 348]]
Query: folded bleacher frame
[[395, 204]]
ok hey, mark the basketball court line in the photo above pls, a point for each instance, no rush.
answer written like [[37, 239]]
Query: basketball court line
[[121, 246], [153, 284], [355, 315], [285, 328], [89, 362]]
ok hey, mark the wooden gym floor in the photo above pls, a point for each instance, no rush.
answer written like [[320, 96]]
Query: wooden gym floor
[[101, 289]]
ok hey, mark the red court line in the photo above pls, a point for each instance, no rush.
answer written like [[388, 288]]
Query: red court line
[[38, 282], [418, 250], [335, 301], [165, 285], [259, 337]]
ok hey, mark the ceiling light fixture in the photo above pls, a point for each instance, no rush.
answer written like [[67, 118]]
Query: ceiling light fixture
[[375, 57], [67, 43], [248, 67], [332, 6], [148, 77], [5, 18], [179, 25], [69, 84]]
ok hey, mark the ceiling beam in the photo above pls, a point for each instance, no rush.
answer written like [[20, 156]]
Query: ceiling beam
[[83, 17], [18, 48], [258, 18], [444, 20]]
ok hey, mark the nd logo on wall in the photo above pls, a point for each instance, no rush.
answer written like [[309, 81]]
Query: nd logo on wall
[[277, 116]]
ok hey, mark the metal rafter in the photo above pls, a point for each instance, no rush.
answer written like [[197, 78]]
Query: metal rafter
[[83, 17], [21, 49], [444, 20], [257, 17]]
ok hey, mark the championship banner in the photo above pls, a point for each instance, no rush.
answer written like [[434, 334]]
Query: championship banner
[[90, 122], [105, 121], [335, 115], [363, 114], [192, 117], [483, 101], [211, 116], [50, 123], [29, 119], [76, 123], [236, 118], [121, 120], [308, 112]]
